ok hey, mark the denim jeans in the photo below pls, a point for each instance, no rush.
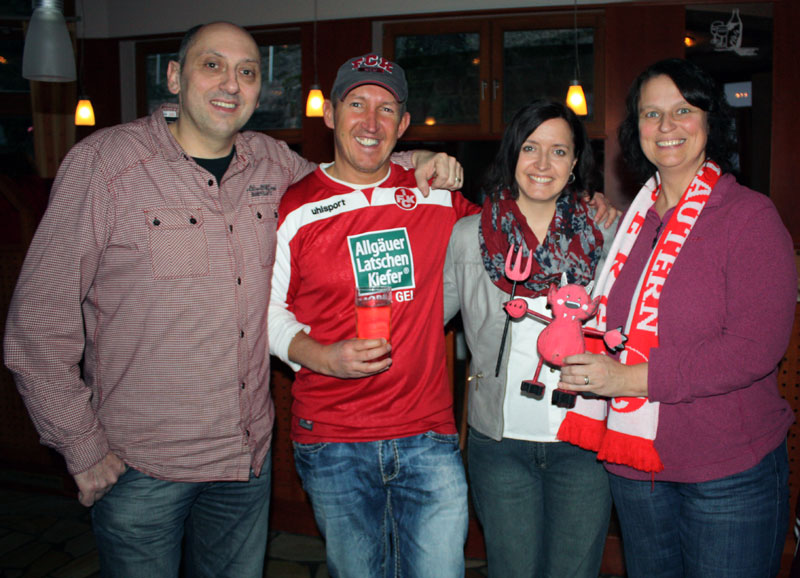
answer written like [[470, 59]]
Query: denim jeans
[[140, 523], [544, 507], [389, 509], [733, 527]]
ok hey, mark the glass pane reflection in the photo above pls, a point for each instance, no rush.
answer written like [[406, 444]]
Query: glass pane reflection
[[156, 71], [541, 64], [281, 103], [443, 76]]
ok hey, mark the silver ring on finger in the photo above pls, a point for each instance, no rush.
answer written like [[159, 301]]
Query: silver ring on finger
[[585, 380]]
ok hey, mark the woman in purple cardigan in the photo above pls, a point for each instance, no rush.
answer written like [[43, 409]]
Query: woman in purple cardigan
[[702, 277]]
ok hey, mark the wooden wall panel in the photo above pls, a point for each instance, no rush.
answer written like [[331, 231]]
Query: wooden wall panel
[[636, 36], [100, 82], [53, 110], [337, 42], [785, 117], [789, 384]]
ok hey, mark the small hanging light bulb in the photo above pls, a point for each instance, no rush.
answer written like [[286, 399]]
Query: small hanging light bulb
[[84, 113], [314, 102], [576, 100]]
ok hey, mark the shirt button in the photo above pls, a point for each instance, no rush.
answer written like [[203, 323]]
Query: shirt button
[[241, 334], [238, 280], [248, 433], [210, 182], [230, 228]]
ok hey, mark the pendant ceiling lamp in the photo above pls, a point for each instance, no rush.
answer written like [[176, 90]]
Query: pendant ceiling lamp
[[576, 100], [315, 98], [48, 54], [84, 112]]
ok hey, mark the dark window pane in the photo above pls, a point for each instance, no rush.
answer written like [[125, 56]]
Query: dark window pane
[[157, 92], [541, 64], [11, 44], [443, 77], [281, 103]]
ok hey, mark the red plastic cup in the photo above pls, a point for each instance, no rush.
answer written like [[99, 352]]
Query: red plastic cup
[[373, 312]]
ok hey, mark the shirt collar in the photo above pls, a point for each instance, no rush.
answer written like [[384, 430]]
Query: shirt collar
[[170, 147]]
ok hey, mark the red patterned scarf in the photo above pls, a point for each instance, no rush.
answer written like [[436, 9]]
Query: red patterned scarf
[[574, 244], [627, 435]]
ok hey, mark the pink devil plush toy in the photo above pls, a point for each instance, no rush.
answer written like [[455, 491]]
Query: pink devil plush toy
[[564, 335]]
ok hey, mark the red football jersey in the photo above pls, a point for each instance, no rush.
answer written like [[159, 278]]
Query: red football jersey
[[332, 237]]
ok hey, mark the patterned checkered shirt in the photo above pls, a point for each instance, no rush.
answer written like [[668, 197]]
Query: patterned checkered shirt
[[139, 322]]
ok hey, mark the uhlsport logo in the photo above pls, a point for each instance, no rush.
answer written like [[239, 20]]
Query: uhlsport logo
[[328, 207], [405, 199], [382, 258]]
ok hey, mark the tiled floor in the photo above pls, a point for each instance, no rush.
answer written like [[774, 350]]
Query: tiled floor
[[43, 535]]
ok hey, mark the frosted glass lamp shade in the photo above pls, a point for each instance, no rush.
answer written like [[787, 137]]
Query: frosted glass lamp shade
[[48, 54]]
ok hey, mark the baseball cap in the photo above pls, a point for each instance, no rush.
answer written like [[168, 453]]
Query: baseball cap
[[370, 69]]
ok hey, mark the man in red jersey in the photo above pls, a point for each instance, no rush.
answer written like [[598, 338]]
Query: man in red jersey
[[373, 428]]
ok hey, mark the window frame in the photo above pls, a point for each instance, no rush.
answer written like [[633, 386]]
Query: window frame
[[452, 131], [559, 21], [491, 29]]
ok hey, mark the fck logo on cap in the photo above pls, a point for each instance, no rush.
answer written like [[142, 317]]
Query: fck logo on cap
[[373, 62]]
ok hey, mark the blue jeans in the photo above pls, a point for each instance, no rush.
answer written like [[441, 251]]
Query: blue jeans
[[391, 508], [140, 523], [733, 527], [544, 507]]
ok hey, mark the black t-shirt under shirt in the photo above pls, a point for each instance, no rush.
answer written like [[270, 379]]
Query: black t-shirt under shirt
[[216, 167]]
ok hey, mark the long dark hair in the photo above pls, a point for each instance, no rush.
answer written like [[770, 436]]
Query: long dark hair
[[526, 120], [700, 90]]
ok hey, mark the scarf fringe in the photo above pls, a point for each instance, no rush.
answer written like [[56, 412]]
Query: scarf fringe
[[582, 431], [628, 450]]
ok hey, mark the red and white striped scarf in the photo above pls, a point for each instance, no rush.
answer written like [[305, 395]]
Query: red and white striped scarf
[[623, 430]]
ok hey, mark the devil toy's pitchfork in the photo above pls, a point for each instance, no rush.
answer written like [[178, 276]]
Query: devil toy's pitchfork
[[514, 273]]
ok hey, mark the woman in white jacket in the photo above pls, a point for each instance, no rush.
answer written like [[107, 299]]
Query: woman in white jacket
[[544, 505]]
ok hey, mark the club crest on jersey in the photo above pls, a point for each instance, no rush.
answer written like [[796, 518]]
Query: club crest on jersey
[[405, 198], [373, 63]]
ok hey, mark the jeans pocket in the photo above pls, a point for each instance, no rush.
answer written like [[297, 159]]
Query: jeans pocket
[[129, 476], [451, 439], [309, 448], [477, 437]]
